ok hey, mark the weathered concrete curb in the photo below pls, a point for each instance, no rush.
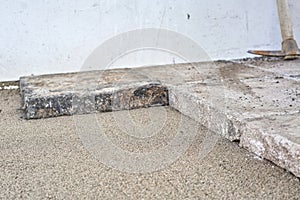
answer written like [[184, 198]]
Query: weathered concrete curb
[[281, 150], [204, 112], [256, 105], [274, 147]]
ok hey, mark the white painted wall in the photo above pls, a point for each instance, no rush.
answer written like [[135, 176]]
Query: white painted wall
[[51, 36]]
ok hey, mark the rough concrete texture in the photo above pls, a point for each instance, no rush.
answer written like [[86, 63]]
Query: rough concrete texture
[[235, 99], [45, 159], [82, 93]]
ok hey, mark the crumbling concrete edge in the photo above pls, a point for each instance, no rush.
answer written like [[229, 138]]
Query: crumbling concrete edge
[[205, 113], [275, 148]]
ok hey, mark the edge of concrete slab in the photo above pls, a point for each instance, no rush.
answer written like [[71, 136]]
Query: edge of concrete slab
[[276, 148], [280, 150]]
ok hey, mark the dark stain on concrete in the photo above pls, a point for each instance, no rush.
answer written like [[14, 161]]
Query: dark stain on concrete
[[230, 75]]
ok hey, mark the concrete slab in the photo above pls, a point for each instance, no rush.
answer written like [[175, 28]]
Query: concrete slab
[[230, 98]]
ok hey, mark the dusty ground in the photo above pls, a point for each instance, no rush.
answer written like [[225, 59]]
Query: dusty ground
[[46, 159]]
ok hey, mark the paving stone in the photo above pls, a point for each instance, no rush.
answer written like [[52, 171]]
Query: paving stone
[[275, 138], [88, 92]]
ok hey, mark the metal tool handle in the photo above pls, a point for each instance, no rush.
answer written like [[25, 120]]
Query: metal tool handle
[[289, 47], [285, 20]]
